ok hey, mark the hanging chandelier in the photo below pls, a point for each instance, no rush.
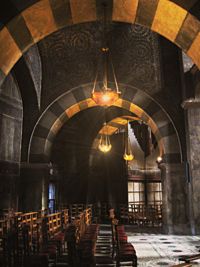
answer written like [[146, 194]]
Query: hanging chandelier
[[128, 155], [105, 96], [104, 143]]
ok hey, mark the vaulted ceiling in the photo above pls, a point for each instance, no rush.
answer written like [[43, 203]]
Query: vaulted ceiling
[[68, 34], [24, 23]]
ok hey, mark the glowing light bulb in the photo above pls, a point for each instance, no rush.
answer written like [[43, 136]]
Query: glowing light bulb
[[159, 159], [105, 98], [128, 157], [104, 144]]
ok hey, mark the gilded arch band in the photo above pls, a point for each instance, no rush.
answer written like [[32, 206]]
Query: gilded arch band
[[165, 17], [78, 99]]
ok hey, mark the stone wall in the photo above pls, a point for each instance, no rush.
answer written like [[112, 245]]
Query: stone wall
[[10, 141]]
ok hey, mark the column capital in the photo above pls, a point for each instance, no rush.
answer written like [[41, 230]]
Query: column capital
[[172, 166], [191, 103]]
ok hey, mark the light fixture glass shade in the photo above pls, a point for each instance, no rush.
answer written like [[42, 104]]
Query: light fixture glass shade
[[105, 97], [128, 155], [159, 159], [104, 143]]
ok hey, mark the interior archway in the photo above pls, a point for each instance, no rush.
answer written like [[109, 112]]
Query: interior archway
[[53, 119], [165, 17]]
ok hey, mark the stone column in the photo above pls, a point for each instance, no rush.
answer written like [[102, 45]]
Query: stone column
[[33, 187], [192, 107], [175, 202], [9, 176]]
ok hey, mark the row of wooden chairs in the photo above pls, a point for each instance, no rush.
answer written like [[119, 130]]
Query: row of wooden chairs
[[121, 248], [99, 213], [135, 213], [81, 238], [32, 235]]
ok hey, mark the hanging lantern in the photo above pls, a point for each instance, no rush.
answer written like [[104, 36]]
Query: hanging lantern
[[128, 155], [104, 143], [105, 96]]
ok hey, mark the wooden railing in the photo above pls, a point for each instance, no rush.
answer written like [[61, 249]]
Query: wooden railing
[[54, 223]]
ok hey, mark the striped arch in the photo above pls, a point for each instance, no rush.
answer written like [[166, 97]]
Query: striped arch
[[165, 17], [78, 99]]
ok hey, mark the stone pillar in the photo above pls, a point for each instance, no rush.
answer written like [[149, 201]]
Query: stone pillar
[[175, 202], [33, 187], [192, 107], [9, 175]]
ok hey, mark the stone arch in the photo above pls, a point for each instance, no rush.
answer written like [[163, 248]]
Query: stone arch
[[165, 17], [78, 99]]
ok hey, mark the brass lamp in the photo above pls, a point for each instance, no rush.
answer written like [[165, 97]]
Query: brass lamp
[[105, 96], [104, 143], [128, 155]]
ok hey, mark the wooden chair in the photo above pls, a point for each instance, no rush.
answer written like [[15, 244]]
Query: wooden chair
[[125, 252], [124, 214]]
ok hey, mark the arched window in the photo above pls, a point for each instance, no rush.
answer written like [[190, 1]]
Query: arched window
[[52, 196]]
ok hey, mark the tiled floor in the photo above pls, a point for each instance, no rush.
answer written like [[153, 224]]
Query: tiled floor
[[153, 248], [163, 250]]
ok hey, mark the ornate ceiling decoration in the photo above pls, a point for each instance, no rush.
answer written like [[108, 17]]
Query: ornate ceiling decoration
[[70, 57]]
